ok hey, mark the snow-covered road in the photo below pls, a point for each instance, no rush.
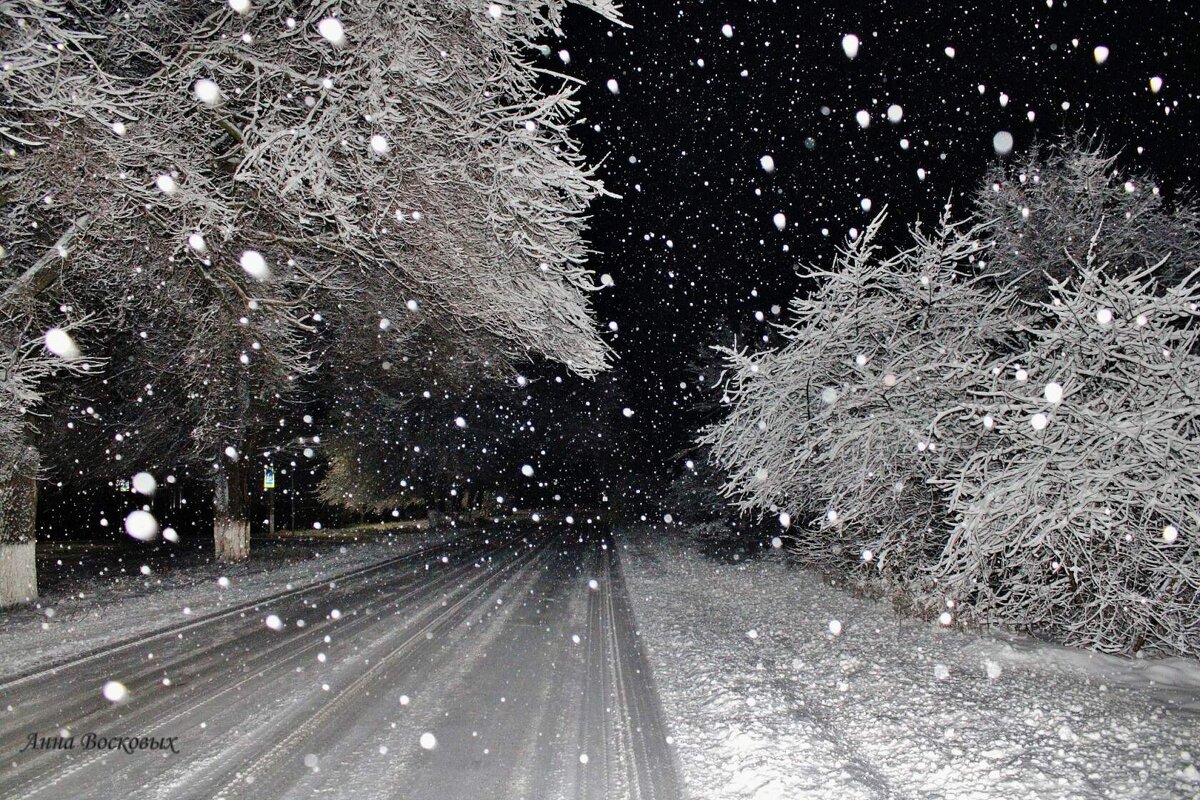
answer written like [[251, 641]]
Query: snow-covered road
[[507, 667]]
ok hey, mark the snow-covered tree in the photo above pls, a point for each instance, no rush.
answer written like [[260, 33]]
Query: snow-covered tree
[[240, 185], [26, 366], [36, 344]]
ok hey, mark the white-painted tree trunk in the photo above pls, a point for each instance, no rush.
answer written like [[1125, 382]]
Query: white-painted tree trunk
[[18, 534], [231, 529], [232, 538], [18, 573]]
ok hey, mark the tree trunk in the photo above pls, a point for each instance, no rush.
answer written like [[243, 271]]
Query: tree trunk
[[231, 528], [18, 519]]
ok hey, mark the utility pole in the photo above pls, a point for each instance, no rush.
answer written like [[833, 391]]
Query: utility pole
[[292, 494], [269, 488]]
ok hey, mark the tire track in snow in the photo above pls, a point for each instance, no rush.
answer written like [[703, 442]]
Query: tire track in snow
[[460, 641], [636, 760], [242, 783], [12, 681], [147, 718]]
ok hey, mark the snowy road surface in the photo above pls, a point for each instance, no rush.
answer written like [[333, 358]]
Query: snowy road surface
[[505, 668]]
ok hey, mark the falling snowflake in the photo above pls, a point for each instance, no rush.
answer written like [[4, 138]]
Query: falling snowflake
[[1002, 143], [255, 265], [850, 45], [115, 692], [331, 30], [207, 91], [141, 525], [60, 343], [144, 483]]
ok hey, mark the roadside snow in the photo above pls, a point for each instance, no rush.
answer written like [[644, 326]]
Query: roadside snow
[[99, 612], [767, 698]]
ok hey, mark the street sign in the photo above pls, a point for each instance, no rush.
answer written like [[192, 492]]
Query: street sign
[[123, 485], [268, 478]]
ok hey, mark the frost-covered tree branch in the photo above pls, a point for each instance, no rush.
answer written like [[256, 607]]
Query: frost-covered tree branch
[[256, 184]]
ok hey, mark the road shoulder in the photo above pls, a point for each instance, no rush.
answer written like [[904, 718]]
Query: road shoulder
[[764, 700]]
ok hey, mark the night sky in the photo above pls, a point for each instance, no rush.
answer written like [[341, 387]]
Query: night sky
[[692, 246]]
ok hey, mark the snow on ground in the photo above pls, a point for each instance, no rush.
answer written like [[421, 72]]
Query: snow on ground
[[92, 610], [764, 700]]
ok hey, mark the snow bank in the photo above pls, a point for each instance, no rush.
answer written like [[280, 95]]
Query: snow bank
[[765, 701]]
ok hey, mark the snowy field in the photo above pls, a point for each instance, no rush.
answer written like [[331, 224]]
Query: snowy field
[[92, 611], [776, 685]]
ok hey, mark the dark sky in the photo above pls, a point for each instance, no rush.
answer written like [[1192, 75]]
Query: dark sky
[[692, 242]]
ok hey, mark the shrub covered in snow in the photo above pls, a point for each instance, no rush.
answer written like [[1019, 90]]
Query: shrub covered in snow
[[969, 431], [837, 427], [1079, 512], [1046, 205]]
